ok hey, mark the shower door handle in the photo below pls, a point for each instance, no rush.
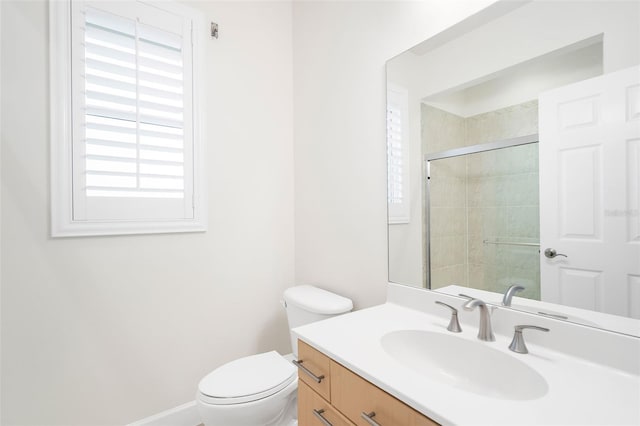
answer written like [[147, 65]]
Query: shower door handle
[[551, 253]]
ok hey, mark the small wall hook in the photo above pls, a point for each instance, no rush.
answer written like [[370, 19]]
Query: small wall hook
[[214, 30]]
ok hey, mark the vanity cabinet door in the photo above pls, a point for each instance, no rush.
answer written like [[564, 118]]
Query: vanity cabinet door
[[318, 365], [311, 406], [353, 395]]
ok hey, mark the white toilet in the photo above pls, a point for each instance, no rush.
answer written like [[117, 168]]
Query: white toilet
[[260, 390]]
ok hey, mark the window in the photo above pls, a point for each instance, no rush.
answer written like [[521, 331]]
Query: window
[[126, 156], [398, 155]]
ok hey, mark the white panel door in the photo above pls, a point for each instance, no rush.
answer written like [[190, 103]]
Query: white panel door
[[590, 192]]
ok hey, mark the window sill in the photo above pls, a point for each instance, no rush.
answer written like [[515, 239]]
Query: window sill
[[92, 229]]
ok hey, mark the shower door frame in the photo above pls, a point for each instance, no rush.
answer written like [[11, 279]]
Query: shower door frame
[[458, 152]]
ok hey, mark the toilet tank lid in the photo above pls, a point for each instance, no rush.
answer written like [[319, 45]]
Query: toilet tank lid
[[317, 300]]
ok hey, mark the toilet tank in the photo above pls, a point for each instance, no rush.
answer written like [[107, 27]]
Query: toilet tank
[[306, 304]]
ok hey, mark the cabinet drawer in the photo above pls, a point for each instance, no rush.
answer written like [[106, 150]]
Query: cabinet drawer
[[316, 372], [352, 395], [311, 406]]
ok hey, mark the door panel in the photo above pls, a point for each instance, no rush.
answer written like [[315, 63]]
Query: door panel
[[634, 296], [633, 189], [590, 192], [580, 196], [580, 287]]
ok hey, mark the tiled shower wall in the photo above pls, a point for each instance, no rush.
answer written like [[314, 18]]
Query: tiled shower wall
[[481, 199], [442, 131]]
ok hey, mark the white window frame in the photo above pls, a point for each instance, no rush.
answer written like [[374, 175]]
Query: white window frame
[[400, 213], [62, 219]]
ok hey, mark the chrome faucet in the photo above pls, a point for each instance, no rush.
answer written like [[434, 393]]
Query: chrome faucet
[[508, 295], [485, 332]]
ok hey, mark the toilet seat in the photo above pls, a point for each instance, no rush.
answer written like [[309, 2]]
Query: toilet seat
[[247, 379]]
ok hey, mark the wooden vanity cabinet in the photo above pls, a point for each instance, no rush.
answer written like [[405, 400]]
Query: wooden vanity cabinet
[[319, 365], [351, 395], [311, 405], [345, 396]]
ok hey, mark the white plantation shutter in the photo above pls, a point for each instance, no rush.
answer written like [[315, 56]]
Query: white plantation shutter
[[133, 130], [126, 150], [394, 154], [397, 155]]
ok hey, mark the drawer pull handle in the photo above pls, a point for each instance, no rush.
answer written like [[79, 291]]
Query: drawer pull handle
[[309, 372], [369, 418], [318, 414]]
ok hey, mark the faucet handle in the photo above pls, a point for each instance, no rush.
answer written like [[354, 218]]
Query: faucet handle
[[517, 344], [535, 327], [454, 324]]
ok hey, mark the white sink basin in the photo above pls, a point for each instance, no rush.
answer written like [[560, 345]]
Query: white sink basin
[[471, 366]]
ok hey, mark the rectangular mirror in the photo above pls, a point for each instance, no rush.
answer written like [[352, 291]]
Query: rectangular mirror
[[506, 169]]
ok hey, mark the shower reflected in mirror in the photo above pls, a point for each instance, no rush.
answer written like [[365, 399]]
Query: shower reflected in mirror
[[481, 217]]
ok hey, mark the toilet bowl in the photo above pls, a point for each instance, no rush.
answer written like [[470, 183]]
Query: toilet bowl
[[261, 390], [255, 390]]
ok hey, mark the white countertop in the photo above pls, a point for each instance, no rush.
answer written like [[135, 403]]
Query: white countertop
[[581, 392]]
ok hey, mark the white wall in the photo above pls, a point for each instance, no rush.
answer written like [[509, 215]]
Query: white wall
[[340, 49], [111, 330]]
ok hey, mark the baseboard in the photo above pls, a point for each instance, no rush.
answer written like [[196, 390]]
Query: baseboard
[[182, 415]]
